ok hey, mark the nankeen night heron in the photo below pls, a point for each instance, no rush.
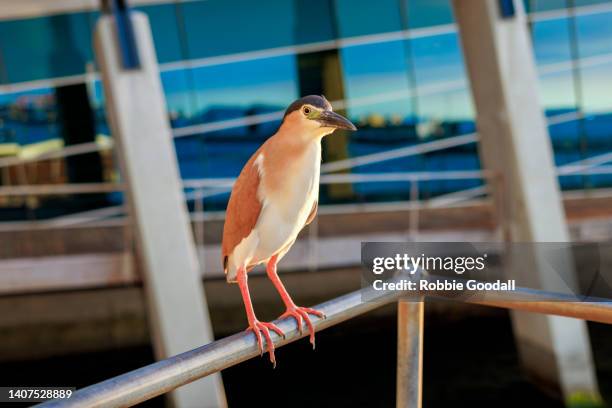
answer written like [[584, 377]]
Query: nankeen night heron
[[274, 197]]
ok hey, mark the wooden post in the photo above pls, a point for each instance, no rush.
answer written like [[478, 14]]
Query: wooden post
[[515, 144], [136, 107]]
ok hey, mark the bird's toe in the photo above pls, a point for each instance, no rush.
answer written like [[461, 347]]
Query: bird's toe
[[301, 314], [258, 328], [275, 328]]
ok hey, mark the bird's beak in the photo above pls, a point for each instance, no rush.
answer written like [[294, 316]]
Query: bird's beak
[[333, 120]]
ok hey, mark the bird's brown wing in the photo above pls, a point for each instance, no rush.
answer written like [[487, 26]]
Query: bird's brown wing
[[313, 213], [243, 209]]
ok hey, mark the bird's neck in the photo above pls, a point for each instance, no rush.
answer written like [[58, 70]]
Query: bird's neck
[[285, 161], [293, 145]]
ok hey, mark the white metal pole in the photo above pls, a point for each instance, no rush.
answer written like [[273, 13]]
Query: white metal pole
[[135, 103]]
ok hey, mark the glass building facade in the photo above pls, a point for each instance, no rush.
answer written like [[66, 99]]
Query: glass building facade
[[229, 68]]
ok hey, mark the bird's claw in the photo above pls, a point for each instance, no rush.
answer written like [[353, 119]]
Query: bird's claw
[[301, 314], [258, 328]]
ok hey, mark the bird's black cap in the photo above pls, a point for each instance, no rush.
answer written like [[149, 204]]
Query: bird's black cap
[[314, 100]]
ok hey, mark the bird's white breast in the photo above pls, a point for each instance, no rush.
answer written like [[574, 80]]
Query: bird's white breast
[[285, 210]]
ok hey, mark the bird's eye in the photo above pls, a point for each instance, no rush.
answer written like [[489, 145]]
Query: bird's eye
[[306, 110]]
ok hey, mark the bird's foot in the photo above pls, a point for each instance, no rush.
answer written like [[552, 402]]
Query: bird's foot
[[258, 328], [301, 314]]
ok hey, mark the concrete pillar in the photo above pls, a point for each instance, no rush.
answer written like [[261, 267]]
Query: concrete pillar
[[514, 143], [136, 107]]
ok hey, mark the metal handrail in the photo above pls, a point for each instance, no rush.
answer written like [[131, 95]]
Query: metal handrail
[[165, 375]]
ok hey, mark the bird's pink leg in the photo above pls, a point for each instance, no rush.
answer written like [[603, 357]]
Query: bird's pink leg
[[298, 312], [255, 325]]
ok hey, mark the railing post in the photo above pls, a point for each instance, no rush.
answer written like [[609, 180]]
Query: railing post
[[313, 245], [414, 208], [409, 353], [198, 225]]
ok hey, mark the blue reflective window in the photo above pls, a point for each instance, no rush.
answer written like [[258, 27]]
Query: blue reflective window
[[437, 59], [594, 34], [427, 13], [363, 17], [315, 21], [215, 27], [181, 97], [380, 98], [259, 81], [46, 47], [30, 117], [591, 2], [444, 108], [399, 92], [442, 85], [553, 52], [198, 96], [164, 20], [551, 41], [544, 5], [376, 80], [567, 87]]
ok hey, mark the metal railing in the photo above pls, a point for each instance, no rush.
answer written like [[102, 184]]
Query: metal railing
[[165, 375], [208, 187]]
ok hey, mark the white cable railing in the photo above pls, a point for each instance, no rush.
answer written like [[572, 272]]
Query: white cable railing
[[414, 33], [224, 185], [425, 147], [219, 186], [59, 189], [580, 11], [399, 153], [421, 91], [430, 89], [59, 153], [582, 165], [262, 118]]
